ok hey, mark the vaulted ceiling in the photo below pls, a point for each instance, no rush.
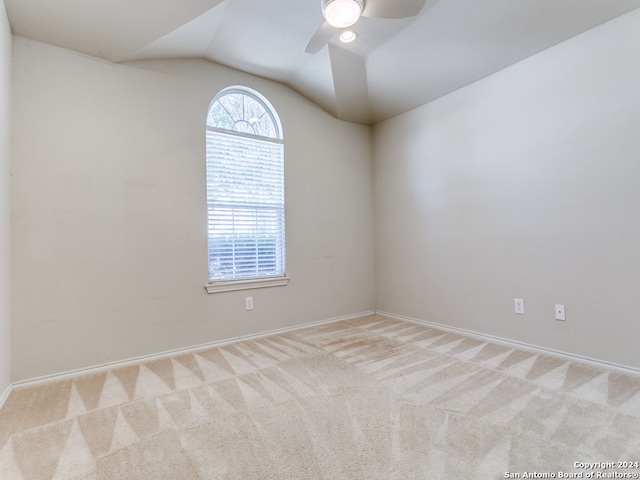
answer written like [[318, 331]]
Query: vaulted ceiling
[[393, 66]]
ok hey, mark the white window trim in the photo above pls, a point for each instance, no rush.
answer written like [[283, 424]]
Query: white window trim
[[282, 279], [234, 285], [245, 135]]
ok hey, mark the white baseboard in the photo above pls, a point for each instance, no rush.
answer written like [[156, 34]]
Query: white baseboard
[[178, 351], [520, 345], [219, 343], [5, 395]]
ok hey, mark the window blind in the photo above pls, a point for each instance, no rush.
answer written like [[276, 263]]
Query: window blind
[[245, 206]]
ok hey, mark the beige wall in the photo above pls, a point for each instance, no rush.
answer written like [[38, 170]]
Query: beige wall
[[525, 184], [5, 249], [110, 220]]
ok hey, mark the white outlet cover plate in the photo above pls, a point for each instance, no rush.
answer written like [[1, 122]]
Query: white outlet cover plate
[[518, 304]]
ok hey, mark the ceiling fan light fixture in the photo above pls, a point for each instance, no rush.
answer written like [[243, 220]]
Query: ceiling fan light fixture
[[342, 13], [348, 36]]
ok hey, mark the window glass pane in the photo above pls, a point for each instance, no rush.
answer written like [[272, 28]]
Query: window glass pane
[[244, 113], [220, 117]]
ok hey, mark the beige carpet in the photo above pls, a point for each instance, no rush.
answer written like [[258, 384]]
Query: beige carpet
[[371, 398]]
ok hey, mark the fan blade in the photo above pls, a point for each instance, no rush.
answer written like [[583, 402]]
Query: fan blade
[[392, 8], [350, 84], [320, 38]]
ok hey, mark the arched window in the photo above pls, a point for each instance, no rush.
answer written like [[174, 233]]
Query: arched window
[[245, 192]]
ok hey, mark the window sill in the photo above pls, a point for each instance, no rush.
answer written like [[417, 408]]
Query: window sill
[[233, 285]]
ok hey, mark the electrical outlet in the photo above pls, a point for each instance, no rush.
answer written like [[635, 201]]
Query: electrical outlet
[[518, 304], [248, 303], [560, 314]]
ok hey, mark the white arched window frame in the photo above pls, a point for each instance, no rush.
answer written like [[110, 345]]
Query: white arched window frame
[[245, 192]]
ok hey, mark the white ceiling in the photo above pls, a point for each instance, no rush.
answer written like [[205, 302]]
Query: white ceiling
[[393, 66]]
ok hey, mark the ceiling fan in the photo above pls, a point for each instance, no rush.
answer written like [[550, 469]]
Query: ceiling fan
[[347, 68], [340, 14]]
